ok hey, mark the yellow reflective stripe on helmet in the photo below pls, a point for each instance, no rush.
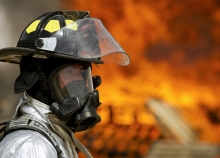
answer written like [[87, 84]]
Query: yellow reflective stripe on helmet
[[68, 22], [32, 27], [52, 26], [73, 26]]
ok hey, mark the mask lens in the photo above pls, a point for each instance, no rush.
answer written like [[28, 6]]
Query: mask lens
[[74, 80]]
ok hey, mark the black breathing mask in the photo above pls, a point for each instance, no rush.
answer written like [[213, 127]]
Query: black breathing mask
[[72, 87]]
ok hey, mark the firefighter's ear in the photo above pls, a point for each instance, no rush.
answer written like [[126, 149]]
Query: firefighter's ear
[[96, 81]]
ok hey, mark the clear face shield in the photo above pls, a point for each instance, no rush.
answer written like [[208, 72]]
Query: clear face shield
[[86, 39]]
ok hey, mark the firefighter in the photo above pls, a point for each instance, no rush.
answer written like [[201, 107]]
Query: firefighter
[[55, 53]]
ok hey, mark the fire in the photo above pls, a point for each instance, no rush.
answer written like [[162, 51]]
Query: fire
[[136, 29], [174, 54]]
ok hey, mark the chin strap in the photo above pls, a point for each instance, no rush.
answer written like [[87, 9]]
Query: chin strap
[[42, 78]]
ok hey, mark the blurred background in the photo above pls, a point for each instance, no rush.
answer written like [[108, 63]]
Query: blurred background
[[165, 103]]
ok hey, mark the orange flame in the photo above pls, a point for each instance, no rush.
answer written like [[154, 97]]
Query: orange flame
[[174, 54]]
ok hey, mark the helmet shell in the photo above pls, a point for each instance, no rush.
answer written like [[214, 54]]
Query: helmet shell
[[47, 24], [43, 26], [67, 34]]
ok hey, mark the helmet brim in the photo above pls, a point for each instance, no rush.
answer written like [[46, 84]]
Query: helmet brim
[[14, 55]]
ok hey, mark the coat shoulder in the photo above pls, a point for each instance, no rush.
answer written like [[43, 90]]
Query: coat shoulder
[[26, 143]]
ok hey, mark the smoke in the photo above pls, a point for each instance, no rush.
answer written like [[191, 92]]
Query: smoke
[[14, 17]]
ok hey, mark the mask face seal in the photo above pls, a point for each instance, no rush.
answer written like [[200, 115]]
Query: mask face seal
[[71, 80], [71, 87]]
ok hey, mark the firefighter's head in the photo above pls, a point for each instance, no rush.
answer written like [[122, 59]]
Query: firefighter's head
[[56, 52]]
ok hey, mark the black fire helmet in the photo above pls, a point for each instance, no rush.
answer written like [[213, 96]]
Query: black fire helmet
[[64, 35]]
